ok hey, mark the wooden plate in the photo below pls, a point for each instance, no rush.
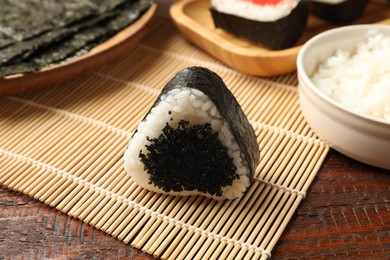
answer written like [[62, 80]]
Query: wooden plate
[[193, 19], [104, 53]]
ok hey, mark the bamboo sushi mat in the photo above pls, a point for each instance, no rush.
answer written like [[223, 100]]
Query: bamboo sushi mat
[[64, 147]]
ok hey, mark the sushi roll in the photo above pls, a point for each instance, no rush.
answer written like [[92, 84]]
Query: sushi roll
[[275, 24], [338, 11], [195, 140]]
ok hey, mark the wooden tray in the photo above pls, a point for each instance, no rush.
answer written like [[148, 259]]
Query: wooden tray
[[193, 19], [102, 54]]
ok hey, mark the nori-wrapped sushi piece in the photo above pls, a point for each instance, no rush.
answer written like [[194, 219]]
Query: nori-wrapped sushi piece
[[344, 11], [276, 35], [196, 140]]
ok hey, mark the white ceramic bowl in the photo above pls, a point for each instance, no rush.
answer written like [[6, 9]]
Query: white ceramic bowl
[[361, 137]]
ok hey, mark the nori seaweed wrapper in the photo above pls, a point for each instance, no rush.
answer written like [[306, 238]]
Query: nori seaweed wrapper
[[30, 18], [55, 31], [213, 86], [345, 12], [22, 50], [276, 35]]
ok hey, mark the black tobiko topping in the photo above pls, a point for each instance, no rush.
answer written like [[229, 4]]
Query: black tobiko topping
[[188, 158]]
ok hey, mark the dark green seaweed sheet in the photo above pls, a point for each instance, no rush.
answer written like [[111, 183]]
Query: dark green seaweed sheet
[[22, 51], [26, 50], [213, 86], [30, 18], [21, 16], [5, 38], [71, 36]]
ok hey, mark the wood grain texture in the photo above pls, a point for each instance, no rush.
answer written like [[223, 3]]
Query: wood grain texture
[[345, 215], [32, 230], [92, 130]]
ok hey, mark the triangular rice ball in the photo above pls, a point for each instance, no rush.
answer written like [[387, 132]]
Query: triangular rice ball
[[196, 140]]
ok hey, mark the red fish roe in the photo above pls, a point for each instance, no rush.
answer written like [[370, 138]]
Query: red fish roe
[[266, 2], [189, 158]]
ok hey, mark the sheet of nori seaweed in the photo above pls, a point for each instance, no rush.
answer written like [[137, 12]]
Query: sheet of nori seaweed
[[30, 18], [345, 12], [21, 16], [86, 38], [5, 38], [74, 39], [213, 86], [23, 50], [277, 35], [35, 24]]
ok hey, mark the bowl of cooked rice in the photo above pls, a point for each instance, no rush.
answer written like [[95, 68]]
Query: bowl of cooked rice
[[344, 90]]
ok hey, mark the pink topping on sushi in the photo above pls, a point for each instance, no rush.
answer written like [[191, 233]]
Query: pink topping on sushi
[[266, 2], [257, 10]]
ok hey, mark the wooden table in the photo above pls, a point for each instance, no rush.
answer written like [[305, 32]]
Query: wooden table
[[345, 215]]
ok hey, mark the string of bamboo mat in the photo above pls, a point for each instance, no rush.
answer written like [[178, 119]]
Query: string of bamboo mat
[[64, 147]]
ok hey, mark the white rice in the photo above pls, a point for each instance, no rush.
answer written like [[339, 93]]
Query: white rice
[[197, 108], [360, 79], [251, 11]]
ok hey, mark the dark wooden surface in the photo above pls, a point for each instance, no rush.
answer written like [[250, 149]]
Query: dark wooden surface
[[345, 215]]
